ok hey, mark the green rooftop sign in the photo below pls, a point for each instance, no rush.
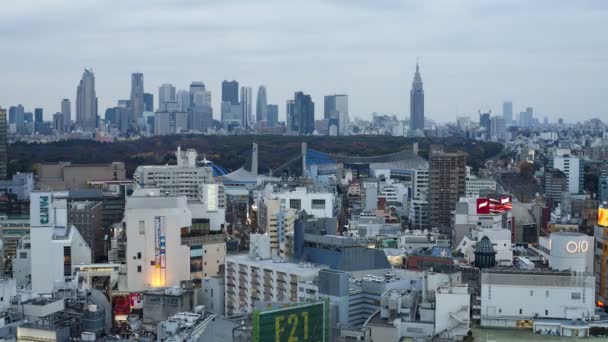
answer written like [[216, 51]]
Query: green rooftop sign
[[299, 323]]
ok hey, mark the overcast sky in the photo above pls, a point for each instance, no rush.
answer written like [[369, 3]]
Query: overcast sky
[[551, 55]]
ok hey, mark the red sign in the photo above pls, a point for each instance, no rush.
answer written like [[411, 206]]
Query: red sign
[[494, 205], [135, 301], [483, 206]]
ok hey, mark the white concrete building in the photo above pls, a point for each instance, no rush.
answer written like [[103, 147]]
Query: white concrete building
[[491, 227], [250, 279], [319, 204], [206, 198], [22, 263], [8, 290], [474, 185], [155, 254], [572, 167], [512, 298], [55, 246], [419, 205]]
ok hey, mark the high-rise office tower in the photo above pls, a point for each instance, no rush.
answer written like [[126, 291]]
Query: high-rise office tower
[[148, 102], [38, 115], [16, 115], [261, 105], [526, 118], [137, 98], [200, 113], [447, 183], [291, 123], [336, 111], [28, 117], [246, 104], [303, 114], [166, 95], [507, 112], [66, 111], [198, 94], [417, 102], [230, 92], [498, 129], [183, 100], [335, 104], [58, 124], [3, 144], [86, 102], [485, 122], [272, 115]]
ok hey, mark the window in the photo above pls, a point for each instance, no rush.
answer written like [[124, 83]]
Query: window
[[138, 255], [520, 311], [138, 268], [295, 204], [546, 312], [142, 227], [531, 292], [547, 293], [22, 255], [575, 295], [318, 204]]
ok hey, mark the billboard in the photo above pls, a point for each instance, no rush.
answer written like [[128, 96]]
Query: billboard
[[160, 262], [494, 204], [212, 197], [602, 217], [306, 322], [41, 212]]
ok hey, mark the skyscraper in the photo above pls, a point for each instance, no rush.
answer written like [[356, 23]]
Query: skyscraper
[[417, 103], [272, 115], [137, 98], [17, 115], [246, 104], [148, 102], [335, 104], [291, 123], [38, 115], [166, 97], [336, 111], [58, 124], [200, 113], [199, 96], [86, 102], [507, 112], [183, 100], [485, 122], [303, 114], [230, 92], [66, 111], [526, 118], [3, 144], [261, 105], [498, 130], [447, 183]]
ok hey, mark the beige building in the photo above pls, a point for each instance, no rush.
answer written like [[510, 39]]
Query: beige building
[[68, 176], [279, 222]]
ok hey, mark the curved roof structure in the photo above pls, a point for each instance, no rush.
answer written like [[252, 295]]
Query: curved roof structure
[[318, 157], [484, 246]]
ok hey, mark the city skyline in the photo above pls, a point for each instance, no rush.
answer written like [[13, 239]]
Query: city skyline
[[521, 65]]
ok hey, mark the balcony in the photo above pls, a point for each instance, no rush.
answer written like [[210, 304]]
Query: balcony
[[203, 239]]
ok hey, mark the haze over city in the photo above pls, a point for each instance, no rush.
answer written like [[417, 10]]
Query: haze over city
[[551, 55]]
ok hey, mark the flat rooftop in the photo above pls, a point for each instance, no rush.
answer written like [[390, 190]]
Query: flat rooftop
[[279, 266]]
